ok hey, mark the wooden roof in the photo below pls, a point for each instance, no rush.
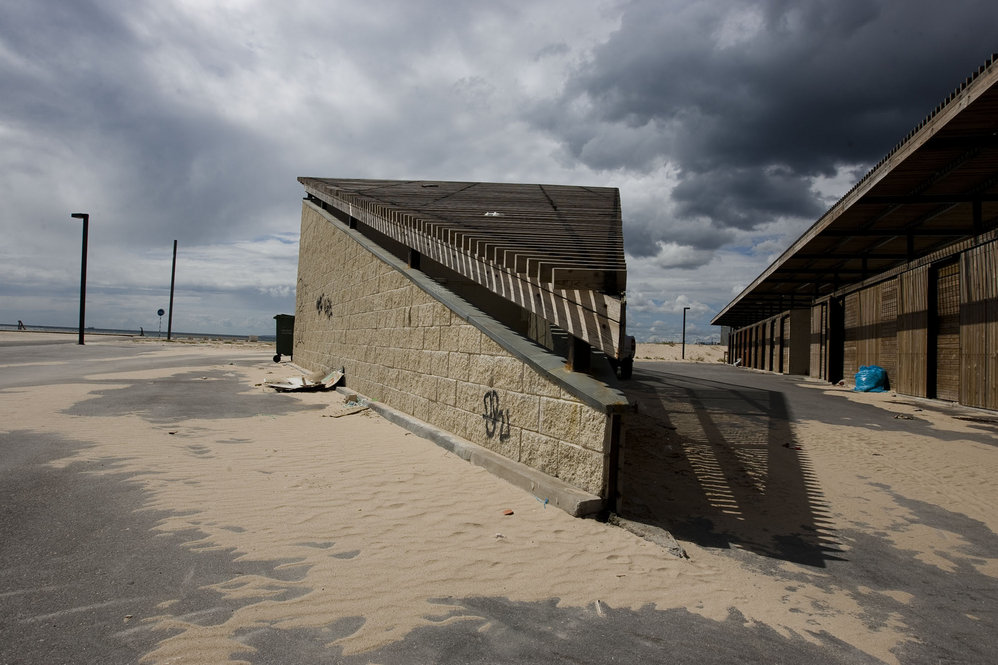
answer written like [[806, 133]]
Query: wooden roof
[[556, 250], [937, 187], [568, 237]]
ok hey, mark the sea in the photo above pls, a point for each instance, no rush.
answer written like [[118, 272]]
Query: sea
[[136, 333]]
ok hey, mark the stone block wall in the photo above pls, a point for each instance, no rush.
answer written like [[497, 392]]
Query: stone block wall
[[362, 309]]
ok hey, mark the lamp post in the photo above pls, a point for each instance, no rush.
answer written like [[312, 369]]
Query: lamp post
[[684, 332], [83, 269], [173, 280]]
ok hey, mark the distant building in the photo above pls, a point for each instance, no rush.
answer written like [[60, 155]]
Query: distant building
[[902, 272]]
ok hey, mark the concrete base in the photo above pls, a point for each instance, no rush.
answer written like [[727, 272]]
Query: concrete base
[[545, 488]]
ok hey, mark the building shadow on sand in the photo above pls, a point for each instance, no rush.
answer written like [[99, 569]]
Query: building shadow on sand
[[717, 464]]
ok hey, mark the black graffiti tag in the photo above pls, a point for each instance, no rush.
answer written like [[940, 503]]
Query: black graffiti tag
[[323, 305], [496, 419]]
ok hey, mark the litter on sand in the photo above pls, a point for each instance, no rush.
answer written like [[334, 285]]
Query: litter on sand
[[303, 384], [346, 410]]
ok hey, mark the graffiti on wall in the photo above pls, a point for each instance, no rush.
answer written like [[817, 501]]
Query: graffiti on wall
[[496, 418], [323, 305]]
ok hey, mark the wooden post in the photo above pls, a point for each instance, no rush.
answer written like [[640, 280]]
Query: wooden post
[[578, 355]]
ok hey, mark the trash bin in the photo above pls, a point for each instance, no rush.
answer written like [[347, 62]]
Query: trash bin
[[285, 336]]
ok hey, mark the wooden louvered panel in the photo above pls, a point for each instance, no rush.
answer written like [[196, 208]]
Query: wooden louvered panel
[[947, 329], [979, 327], [819, 339], [850, 354], [888, 329], [785, 345], [868, 345], [912, 331]]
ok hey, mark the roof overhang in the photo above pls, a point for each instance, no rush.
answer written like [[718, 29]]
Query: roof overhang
[[937, 187], [555, 250]]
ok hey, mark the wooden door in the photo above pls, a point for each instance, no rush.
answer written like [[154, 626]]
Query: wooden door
[[785, 345], [946, 329]]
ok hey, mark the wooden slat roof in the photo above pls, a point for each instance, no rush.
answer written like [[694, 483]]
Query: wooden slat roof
[[554, 250], [935, 188], [565, 236]]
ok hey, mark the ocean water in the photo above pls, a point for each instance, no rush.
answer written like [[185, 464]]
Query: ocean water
[[148, 333]]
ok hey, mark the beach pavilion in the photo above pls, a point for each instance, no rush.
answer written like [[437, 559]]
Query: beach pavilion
[[486, 310], [901, 273]]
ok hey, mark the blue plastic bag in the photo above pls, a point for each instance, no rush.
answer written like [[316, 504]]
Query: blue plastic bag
[[871, 379]]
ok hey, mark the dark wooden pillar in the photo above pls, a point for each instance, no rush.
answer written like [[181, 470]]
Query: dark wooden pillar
[[578, 355]]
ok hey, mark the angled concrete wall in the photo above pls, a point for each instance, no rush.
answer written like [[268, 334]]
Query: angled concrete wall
[[406, 341]]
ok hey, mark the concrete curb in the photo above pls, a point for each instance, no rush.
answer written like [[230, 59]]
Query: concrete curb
[[546, 489]]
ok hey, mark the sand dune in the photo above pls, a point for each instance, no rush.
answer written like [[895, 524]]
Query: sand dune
[[705, 353]]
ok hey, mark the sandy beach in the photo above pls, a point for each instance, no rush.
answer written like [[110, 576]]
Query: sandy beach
[[674, 351], [381, 533]]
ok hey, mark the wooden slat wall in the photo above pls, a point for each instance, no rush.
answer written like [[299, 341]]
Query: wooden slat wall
[[912, 331], [992, 329], [887, 354], [871, 329], [868, 344], [756, 346], [979, 327], [785, 344], [947, 327], [889, 324], [853, 333], [775, 339], [747, 347], [770, 342], [819, 337], [768, 349]]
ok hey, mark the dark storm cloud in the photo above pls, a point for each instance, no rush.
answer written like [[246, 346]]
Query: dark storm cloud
[[742, 197], [644, 233], [171, 161], [749, 101]]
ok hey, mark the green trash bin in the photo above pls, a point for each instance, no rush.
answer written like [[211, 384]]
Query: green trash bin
[[285, 336]]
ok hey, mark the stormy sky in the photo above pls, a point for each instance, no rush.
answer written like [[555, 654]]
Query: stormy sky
[[729, 126]]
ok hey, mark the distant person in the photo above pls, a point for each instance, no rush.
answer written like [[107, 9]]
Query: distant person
[[142, 333], [20, 325]]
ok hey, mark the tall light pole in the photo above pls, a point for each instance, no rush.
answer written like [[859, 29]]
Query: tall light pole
[[83, 269], [684, 333], [173, 280]]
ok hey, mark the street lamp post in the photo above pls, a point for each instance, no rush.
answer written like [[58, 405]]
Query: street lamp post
[[173, 280], [684, 332], [83, 269]]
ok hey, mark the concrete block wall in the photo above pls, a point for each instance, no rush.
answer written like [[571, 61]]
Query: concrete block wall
[[404, 341]]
